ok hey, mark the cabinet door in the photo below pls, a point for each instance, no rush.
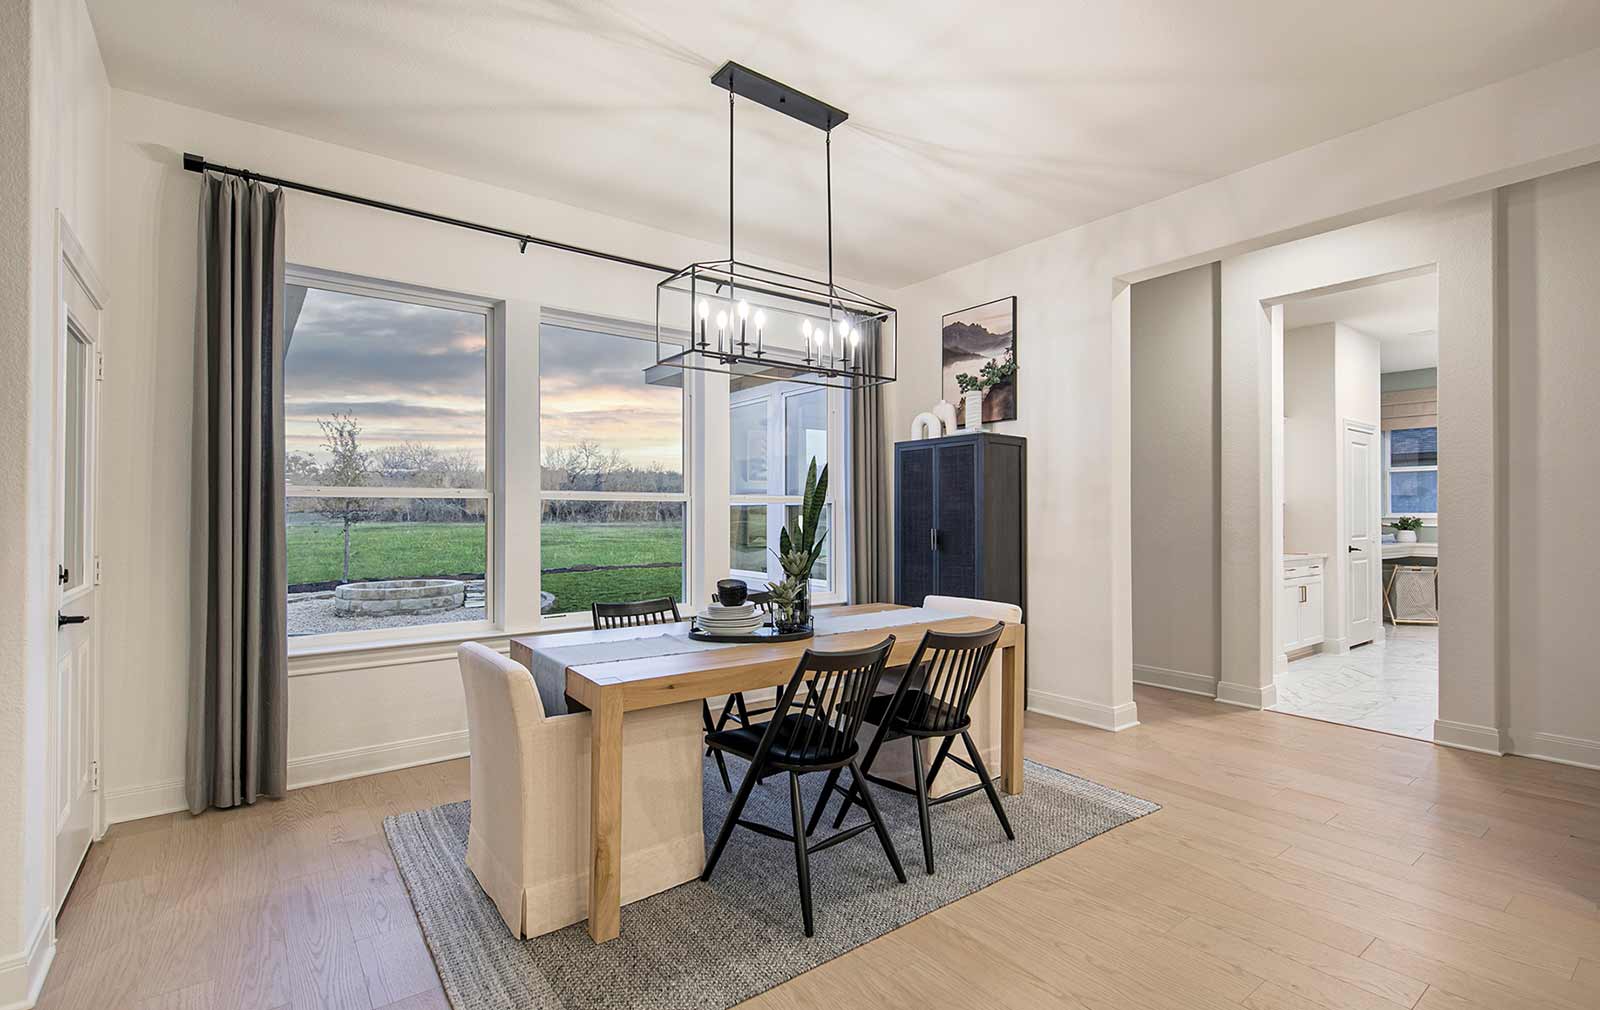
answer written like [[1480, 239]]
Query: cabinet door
[[956, 517], [914, 527], [1288, 618], [1311, 615]]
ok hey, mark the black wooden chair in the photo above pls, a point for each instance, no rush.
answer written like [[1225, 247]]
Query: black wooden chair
[[813, 729], [931, 701], [646, 612]]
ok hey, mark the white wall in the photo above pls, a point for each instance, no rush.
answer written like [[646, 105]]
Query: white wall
[[1074, 370], [53, 98], [349, 713], [1550, 246], [1176, 608]]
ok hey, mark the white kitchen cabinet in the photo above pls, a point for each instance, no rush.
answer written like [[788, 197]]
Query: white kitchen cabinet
[[1300, 607]]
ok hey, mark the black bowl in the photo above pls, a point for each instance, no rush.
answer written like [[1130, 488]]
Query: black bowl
[[732, 592]]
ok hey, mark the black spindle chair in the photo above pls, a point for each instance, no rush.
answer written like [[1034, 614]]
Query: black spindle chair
[[931, 701], [813, 729], [642, 613]]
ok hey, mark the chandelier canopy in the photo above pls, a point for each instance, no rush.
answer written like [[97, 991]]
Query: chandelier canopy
[[749, 321]]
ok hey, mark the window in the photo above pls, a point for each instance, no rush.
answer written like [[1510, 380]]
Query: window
[[614, 520], [1411, 471], [388, 499], [775, 430]]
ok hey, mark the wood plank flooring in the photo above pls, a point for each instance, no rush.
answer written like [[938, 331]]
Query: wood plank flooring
[[1296, 865]]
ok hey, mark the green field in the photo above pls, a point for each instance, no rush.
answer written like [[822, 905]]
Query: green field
[[388, 550]]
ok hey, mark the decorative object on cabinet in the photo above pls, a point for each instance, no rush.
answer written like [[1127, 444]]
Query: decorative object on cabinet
[[926, 425], [1405, 529], [945, 411], [961, 523], [980, 355]]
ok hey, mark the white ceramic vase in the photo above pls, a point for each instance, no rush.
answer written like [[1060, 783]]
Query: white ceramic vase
[[972, 403], [945, 411], [1405, 536]]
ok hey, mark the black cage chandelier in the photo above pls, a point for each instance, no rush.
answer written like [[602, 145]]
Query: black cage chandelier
[[754, 323]]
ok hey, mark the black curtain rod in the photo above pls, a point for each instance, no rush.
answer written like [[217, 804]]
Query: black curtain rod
[[196, 163]]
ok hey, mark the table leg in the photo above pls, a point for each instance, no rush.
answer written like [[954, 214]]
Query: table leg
[[605, 818], [1012, 663]]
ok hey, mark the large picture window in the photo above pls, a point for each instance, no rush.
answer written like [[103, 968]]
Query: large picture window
[[1411, 471], [614, 519], [388, 498], [775, 430]]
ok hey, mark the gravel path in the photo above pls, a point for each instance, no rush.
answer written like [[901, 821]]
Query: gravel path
[[315, 617]]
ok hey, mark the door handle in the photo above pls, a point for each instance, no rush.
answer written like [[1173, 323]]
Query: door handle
[[62, 620], [933, 539], [1353, 550]]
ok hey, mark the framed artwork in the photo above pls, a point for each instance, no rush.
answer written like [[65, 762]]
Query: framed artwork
[[980, 343]]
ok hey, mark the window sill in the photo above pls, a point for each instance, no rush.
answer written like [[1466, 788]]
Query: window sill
[[313, 658]]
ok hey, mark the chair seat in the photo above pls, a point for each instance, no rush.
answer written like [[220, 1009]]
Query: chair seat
[[927, 710], [794, 733]]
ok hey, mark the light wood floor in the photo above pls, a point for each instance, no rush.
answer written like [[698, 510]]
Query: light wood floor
[[1296, 865]]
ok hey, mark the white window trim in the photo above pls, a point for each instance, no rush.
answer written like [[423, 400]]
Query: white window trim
[[836, 588], [608, 326], [493, 311], [1388, 514]]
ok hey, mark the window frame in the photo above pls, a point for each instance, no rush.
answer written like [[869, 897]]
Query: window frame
[[607, 326], [1388, 501], [493, 312], [834, 589]]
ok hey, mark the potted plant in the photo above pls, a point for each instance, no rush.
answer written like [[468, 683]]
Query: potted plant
[[1405, 529], [995, 372], [799, 549]]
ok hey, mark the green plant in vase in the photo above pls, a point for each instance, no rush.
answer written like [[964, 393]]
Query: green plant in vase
[[1406, 528], [800, 544]]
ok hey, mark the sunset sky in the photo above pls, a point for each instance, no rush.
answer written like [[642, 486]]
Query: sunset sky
[[415, 373]]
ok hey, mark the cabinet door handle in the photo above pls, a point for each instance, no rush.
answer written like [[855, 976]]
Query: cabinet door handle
[[933, 539], [1302, 594]]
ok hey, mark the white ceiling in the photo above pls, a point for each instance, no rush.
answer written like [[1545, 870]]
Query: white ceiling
[[1403, 314], [975, 127]]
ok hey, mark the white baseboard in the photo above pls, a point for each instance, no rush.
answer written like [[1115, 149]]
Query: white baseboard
[[1468, 736], [133, 803], [1175, 680], [332, 766], [1567, 750], [1247, 695], [22, 974], [1089, 713]]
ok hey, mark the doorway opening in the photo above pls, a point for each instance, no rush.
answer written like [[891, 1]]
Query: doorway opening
[[1357, 617]]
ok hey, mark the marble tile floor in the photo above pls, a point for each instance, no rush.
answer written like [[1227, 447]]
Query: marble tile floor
[[1392, 688]]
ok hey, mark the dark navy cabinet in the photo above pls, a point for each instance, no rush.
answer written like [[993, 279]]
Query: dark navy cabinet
[[960, 522]]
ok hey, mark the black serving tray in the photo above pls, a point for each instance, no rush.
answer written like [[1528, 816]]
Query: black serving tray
[[760, 635]]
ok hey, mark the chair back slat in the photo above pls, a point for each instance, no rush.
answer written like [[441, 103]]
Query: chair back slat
[[638, 614], [951, 668], [825, 702]]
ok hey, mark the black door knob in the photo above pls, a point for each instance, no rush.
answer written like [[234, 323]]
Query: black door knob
[[64, 619]]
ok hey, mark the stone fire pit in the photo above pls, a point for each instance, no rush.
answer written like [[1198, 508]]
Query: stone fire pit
[[398, 596]]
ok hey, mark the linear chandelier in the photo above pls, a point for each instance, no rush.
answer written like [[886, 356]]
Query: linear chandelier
[[755, 323]]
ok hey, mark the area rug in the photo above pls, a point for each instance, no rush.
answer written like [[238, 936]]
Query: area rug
[[709, 946]]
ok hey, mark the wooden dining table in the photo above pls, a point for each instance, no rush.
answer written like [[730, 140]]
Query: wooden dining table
[[610, 689]]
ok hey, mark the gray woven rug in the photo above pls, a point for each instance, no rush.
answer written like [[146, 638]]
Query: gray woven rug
[[709, 946]]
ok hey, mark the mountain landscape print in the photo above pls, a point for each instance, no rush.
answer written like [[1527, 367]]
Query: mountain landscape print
[[981, 342]]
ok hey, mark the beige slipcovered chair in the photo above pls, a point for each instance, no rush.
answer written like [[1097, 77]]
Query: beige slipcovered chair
[[895, 762], [528, 843]]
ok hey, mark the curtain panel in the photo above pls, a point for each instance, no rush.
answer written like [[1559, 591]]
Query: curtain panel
[[870, 558], [238, 684]]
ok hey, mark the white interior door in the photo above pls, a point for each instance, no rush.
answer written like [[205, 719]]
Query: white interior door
[[75, 687], [1361, 550]]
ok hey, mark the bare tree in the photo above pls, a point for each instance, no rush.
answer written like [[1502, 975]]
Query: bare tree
[[348, 466]]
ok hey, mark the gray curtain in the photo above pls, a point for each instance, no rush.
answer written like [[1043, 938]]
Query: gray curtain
[[238, 678], [869, 491]]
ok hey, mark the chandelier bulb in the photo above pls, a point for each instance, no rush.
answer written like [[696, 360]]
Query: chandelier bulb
[[805, 328], [722, 320], [705, 309], [744, 309], [761, 318]]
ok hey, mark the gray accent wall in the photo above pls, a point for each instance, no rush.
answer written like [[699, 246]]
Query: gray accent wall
[[1416, 378]]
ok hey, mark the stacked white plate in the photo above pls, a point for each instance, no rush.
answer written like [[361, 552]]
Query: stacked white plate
[[719, 620]]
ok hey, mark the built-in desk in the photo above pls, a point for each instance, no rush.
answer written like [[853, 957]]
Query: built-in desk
[[1394, 552]]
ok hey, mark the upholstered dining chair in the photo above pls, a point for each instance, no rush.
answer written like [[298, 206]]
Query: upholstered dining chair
[[642, 613], [813, 729], [528, 833]]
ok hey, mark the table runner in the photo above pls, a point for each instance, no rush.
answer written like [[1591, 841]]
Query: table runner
[[613, 645]]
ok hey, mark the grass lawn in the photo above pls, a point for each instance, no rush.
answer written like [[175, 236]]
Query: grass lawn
[[383, 550]]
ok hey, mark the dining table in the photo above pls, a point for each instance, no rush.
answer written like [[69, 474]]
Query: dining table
[[609, 681]]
